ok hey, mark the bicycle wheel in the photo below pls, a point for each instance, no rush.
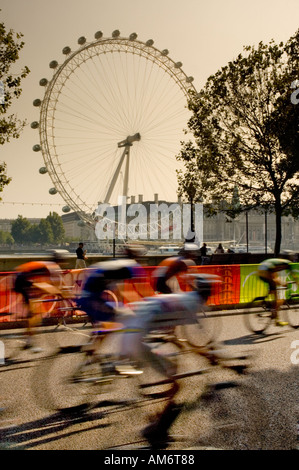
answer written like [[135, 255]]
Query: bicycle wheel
[[205, 330], [56, 384], [258, 317], [159, 360], [292, 314], [73, 379]]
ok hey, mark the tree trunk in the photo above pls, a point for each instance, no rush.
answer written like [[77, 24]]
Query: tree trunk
[[278, 215]]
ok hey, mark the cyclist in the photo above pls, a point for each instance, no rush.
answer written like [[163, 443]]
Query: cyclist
[[102, 277], [268, 272], [165, 275], [109, 276], [32, 280], [176, 308]]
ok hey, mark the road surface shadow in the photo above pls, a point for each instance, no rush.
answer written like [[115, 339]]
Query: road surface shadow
[[253, 339], [47, 430]]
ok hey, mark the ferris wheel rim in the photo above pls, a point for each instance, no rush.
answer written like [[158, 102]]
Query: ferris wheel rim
[[51, 97]]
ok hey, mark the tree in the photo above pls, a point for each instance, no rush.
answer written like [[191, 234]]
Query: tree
[[10, 88], [57, 228], [245, 130], [10, 46], [45, 234], [6, 238], [20, 229], [4, 179]]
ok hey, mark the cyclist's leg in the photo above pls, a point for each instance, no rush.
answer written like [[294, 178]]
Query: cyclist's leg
[[270, 279], [98, 312], [275, 283]]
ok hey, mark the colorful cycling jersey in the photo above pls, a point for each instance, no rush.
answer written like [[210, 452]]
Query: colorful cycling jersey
[[100, 275], [35, 272], [168, 268]]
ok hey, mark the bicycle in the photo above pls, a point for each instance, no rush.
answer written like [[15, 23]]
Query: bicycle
[[76, 376], [205, 327], [261, 312]]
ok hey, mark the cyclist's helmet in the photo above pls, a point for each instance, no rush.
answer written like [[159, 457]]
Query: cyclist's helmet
[[204, 284], [59, 256]]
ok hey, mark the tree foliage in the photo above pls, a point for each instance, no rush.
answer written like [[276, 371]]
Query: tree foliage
[[6, 238], [20, 229], [56, 225], [246, 132], [48, 231], [10, 89], [11, 44]]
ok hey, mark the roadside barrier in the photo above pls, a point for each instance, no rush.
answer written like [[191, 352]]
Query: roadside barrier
[[239, 286]]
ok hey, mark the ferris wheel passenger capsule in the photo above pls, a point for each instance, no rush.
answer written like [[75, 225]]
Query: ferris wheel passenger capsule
[[82, 40], [133, 36], [43, 170], [43, 82], [34, 125], [53, 191], [53, 64], [165, 52], [36, 148], [189, 79], [98, 35], [150, 42], [37, 102], [66, 209], [66, 50], [178, 65], [116, 33]]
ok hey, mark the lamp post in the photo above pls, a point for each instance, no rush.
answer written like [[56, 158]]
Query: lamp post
[[266, 229], [191, 191], [247, 241]]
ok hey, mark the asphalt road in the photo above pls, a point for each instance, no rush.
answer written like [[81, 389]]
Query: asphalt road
[[259, 412]]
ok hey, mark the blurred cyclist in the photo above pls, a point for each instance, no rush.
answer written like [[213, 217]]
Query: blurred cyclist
[[102, 277], [110, 276], [177, 308], [268, 272], [165, 275], [33, 279]]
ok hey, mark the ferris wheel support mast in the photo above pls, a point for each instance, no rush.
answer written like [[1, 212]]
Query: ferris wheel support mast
[[127, 143]]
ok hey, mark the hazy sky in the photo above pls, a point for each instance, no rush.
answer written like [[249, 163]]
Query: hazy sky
[[203, 35]]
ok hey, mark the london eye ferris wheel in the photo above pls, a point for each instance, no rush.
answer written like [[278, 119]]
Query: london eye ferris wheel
[[111, 122]]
